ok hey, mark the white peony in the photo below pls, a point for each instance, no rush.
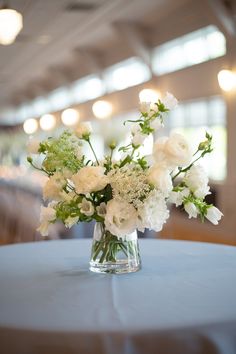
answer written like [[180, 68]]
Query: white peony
[[191, 209], [47, 215], [53, 188], [197, 181], [176, 197], [153, 213], [214, 215], [33, 145], [169, 101], [83, 129], [121, 218], [160, 178], [90, 179], [86, 207]]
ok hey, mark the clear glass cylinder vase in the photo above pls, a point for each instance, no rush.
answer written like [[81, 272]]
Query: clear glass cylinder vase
[[111, 254]]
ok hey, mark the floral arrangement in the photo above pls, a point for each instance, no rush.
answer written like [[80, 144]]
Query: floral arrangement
[[131, 193]]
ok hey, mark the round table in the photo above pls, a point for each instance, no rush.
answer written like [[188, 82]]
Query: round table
[[182, 301]]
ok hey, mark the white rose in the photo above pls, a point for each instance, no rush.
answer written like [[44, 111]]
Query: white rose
[[101, 209], [197, 181], [169, 101], [47, 215], [33, 145], [90, 179], [83, 129], [121, 218], [214, 215], [160, 178], [176, 197], [53, 188], [86, 207], [191, 209], [159, 154]]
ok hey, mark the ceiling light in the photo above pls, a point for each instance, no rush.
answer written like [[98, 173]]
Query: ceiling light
[[11, 23], [47, 122], [30, 126], [70, 117], [149, 95], [102, 109], [227, 80]]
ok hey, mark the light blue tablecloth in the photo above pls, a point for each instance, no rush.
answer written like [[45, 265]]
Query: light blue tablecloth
[[182, 301]]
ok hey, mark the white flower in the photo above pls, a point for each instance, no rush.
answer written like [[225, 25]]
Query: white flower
[[214, 215], [176, 197], [144, 107], [54, 186], [156, 124], [86, 207], [169, 101], [33, 145], [121, 218], [47, 215], [90, 179], [197, 181], [173, 151], [83, 129], [101, 209], [153, 213], [160, 178], [138, 137], [191, 209], [70, 221]]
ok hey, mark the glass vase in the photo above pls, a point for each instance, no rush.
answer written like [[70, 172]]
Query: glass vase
[[111, 254]]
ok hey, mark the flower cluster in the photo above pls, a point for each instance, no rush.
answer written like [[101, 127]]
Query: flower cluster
[[132, 193]]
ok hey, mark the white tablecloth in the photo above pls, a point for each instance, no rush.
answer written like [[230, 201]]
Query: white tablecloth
[[182, 301]]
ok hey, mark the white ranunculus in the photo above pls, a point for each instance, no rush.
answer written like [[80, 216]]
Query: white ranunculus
[[214, 215], [169, 101], [177, 150], [191, 209], [33, 145], [173, 151], [144, 107], [138, 137], [90, 179], [197, 181], [160, 178], [47, 215], [176, 197], [53, 187], [101, 209], [83, 129], [70, 221], [121, 218], [86, 207]]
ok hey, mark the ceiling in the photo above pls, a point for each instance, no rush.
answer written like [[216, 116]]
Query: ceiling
[[63, 40]]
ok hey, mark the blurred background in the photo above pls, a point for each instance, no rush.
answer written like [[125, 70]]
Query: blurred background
[[65, 61]]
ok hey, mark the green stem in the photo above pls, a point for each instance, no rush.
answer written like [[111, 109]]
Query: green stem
[[89, 142], [186, 168]]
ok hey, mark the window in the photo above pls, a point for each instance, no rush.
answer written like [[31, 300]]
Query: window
[[87, 89], [193, 48], [126, 74], [193, 119]]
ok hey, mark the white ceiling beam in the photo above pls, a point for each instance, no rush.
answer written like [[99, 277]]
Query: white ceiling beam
[[132, 34], [226, 15]]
